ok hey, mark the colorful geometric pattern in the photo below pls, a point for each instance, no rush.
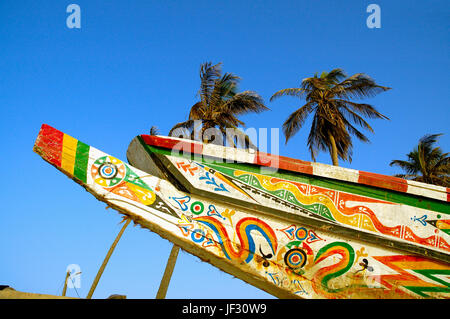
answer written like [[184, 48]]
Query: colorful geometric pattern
[[328, 203], [246, 242], [108, 171], [303, 167], [405, 218], [408, 273], [63, 151], [325, 274], [295, 258], [71, 156], [269, 251]]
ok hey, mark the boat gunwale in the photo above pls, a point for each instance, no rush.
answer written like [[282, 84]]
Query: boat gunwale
[[376, 180], [311, 221]]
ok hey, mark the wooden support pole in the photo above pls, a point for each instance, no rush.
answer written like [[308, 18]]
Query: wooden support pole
[[168, 273], [105, 261], [65, 283]]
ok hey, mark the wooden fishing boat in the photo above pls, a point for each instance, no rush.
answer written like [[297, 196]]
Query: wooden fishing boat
[[290, 227]]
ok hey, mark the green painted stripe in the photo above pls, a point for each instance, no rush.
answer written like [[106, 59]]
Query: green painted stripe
[[133, 178], [315, 208], [343, 186], [358, 189], [81, 162]]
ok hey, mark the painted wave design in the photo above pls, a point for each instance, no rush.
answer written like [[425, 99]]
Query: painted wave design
[[246, 247], [358, 216]]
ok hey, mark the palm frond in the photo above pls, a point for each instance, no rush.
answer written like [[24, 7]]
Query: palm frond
[[197, 111], [224, 88], [317, 138], [429, 139], [209, 73], [426, 163], [364, 109], [409, 167], [358, 86], [245, 102], [335, 75], [297, 92], [154, 130], [296, 120], [314, 83], [354, 131], [182, 129], [355, 117]]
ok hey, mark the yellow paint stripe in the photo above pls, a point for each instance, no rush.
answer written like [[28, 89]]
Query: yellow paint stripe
[[69, 151], [145, 196], [420, 264], [353, 220]]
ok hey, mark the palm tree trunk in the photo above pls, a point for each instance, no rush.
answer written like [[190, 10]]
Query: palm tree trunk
[[333, 150]]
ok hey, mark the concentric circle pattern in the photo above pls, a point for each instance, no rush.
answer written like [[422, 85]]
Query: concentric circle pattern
[[108, 171], [295, 258], [197, 208]]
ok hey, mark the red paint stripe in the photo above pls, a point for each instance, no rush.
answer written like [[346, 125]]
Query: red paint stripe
[[49, 144], [383, 181], [176, 145], [282, 162], [287, 163], [263, 159]]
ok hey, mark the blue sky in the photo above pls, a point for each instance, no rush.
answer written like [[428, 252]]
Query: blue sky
[[134, 64]]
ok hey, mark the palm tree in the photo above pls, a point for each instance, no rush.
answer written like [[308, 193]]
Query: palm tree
[[154, 130], [328, 97], [426, 163], [220, 105]]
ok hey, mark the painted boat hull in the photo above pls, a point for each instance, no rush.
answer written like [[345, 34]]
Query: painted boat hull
[[372, 207], [276, 253]]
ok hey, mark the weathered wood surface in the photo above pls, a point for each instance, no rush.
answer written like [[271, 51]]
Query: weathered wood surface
[[283, 257], [406, 221], [299, 166], [10, 293], [106, 259], [164, 285]]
